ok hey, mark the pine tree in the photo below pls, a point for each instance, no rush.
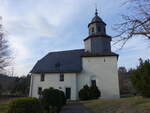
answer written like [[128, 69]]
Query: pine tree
[[141, 78]]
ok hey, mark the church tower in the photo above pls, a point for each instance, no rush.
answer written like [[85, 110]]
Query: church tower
[[98, 42]]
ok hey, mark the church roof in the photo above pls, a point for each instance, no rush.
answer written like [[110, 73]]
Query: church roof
[[64, 61], [96, 19]]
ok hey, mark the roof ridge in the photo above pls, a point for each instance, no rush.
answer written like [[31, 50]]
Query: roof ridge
[[65, 51]]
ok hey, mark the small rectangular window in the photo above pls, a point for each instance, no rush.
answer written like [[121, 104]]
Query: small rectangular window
[[39, 90], [61, 77], [42, 77]]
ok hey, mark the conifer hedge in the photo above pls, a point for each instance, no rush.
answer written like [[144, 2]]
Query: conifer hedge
[[24, 105]]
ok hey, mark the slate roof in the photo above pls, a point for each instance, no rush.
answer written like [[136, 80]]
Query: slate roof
[[97, 19], [64, 61]]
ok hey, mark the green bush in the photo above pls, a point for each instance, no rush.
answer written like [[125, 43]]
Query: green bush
[[24, 105], [94, 92], [88, 93], [84, 93], [141, 78], [52, 100], [62, 98]]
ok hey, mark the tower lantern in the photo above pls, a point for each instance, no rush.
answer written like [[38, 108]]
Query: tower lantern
[[98, 42]]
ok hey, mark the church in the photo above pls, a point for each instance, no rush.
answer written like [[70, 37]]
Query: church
[[70, 70]]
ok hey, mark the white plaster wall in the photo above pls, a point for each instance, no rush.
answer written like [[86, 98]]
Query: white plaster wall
[[104, 69], [87, 44], [52, 80]]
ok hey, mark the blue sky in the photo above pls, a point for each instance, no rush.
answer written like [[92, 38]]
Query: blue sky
[[36, 27]]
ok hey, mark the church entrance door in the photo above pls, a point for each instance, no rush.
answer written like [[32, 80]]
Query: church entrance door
[[68, 93]]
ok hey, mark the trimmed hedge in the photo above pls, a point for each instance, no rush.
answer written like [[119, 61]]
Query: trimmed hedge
[[84, 93], [94, 92], [88, 93], [52, 100], [24, 105]]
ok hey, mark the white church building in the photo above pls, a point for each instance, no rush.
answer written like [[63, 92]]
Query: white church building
[[70, 70]]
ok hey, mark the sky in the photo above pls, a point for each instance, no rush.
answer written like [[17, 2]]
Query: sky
[[37, 27]]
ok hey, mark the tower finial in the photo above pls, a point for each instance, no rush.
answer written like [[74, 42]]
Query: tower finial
[[96, 12]]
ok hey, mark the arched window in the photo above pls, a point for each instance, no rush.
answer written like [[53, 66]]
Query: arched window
[[93, 80]]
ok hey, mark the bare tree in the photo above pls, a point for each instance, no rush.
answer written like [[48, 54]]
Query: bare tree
[[4, 51], [135, 23]]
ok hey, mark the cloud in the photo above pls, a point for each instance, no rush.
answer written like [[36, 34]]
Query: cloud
[[135, 48], [36, 27]]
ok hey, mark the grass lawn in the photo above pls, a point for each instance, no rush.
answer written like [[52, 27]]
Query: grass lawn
[[4, 106], [123, 105], [4, 101]]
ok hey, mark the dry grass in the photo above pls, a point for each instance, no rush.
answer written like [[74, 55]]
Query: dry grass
[[123, 105]]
